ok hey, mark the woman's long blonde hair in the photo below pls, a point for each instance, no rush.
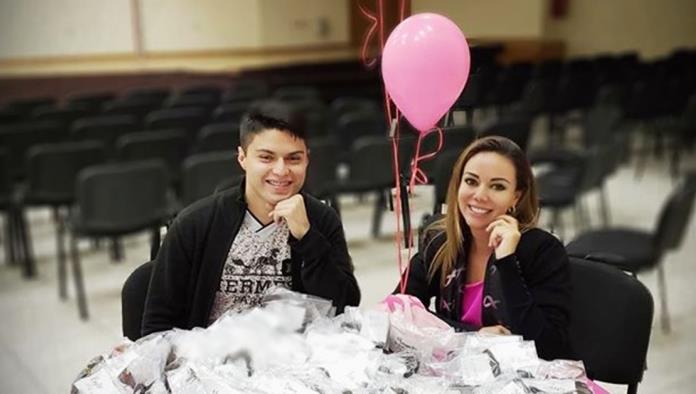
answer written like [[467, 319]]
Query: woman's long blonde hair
[[453, 224]]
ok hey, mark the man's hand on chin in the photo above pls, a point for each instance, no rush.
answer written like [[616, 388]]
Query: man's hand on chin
[[292, 210]]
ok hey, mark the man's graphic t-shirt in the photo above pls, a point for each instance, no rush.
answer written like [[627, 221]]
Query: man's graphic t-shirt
[[259, 258]]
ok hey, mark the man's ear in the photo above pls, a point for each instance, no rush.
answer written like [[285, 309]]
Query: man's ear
[[241, 157]]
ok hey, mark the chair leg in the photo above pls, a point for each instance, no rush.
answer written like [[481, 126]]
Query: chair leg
[[377, 213], [333, 200], [556, 226], [155, 242], [662, 289], [9, 239], [116, 250], [77, 278], [604, 206], [60, 244], [15, 240], [26, 247], [632, 388]]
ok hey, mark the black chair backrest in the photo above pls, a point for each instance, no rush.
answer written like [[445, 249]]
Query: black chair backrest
[[18, 138], [231, 112], [343, 105], [611, 319], [150, 94], [93, 101], [247, 90], [5, 185], [443, 172], [455, 138], [321, 172], [122, 198], [353, 125], [192, 100], [28, 105], [471, 95], [600, 124], [371, 164], [169, 146], [203, 172], [190, 119], [66, 115], [213, 91], [133, 296], [676, 214], [215, 137], [517, 128], [105, 128], [138, 107], [291, 93], [52, 170]]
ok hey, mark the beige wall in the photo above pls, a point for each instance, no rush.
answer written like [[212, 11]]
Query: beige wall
[[186, 25], [651, 27], [303, 22], [31, 28], [490, 18]]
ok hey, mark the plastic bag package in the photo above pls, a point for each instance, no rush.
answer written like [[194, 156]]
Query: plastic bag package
[[315, 307], [294, 344], [412, 327]]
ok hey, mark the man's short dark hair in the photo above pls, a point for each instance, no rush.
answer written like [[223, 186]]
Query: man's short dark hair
[[270, 115]]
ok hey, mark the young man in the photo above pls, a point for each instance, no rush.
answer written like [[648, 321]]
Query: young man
[[223, 252]]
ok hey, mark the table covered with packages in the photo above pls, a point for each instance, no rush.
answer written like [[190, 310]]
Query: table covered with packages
[[293, 343]]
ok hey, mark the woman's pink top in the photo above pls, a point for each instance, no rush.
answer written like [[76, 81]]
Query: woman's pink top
[[471, 303]]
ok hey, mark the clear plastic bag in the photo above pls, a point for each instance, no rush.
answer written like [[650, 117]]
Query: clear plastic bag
[[413, 327]]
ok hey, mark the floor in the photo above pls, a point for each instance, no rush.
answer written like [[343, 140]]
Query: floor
[[43, 343]]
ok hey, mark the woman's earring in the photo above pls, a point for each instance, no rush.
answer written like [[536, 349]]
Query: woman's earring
[[511, 210]]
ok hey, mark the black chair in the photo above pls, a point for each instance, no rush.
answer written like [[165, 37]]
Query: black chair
[[455, 138], [634, 250], [65, 115], [443, 172], [133, 296], [26, 106], [149, 94], [10, 236], [190, 119], [246, 90], [169, 146], [354, 125], [231, 112], [51, 173], [94, 101], [138, 107], [292, 93], [18, 138], [321, 172], [202, 173], [106, 129], [192, 100], [516, 126], [210, 90], [217, 137], [113, 201], [611, 320], [9, 116], [371, 169]]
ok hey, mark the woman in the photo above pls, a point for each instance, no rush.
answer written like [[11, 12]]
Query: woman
[[485, 263]]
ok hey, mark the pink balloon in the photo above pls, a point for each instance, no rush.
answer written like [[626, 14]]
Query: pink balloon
[[425, 65]]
